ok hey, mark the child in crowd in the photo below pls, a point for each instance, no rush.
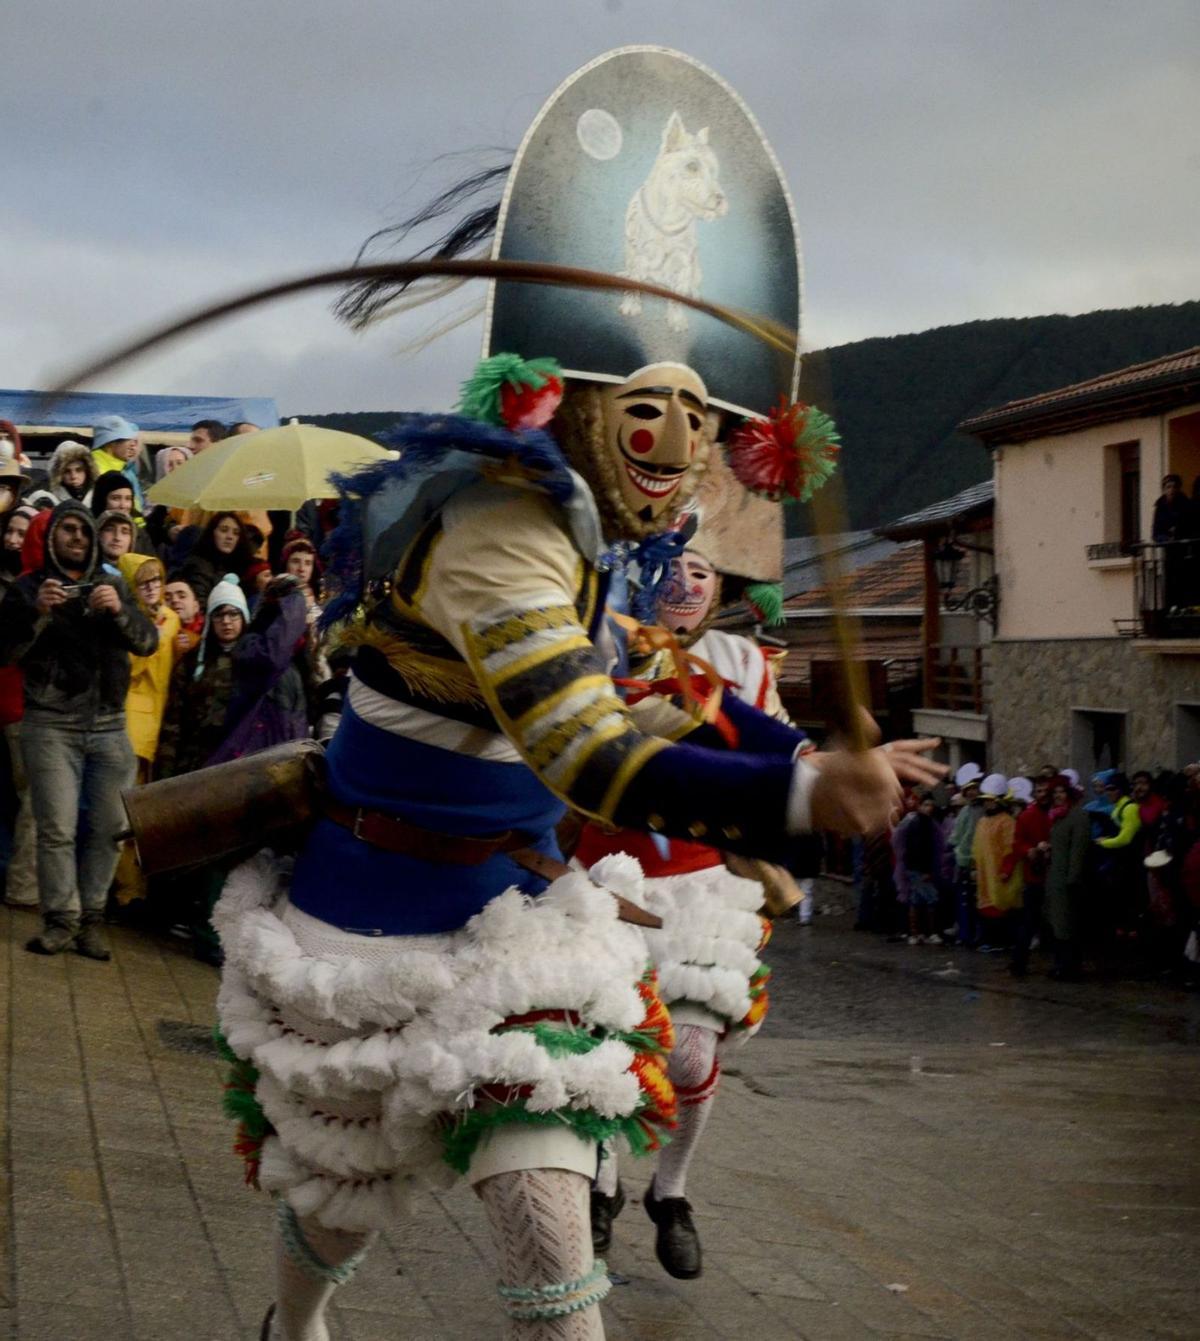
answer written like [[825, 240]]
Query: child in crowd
[[920, 852]]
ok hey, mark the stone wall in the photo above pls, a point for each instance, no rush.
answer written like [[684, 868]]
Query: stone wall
[[1036, 684]]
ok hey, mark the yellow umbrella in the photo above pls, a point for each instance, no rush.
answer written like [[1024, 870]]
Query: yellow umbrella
[[277, 468]]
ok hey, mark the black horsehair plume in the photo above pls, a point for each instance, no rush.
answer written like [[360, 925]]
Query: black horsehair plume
[[369, 299]]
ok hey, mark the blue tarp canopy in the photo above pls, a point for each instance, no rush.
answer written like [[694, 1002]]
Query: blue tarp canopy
[[164, 414]]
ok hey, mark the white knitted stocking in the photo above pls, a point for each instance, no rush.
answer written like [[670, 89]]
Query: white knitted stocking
[[542, 1229], [310, 1263], [694, 1071]]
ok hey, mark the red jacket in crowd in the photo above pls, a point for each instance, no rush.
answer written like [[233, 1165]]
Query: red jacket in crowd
[[1032, 828]]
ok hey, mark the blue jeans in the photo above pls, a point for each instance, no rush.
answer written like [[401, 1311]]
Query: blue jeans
[[72, 769]]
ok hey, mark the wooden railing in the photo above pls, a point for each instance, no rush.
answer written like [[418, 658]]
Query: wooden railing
[[958, 679]]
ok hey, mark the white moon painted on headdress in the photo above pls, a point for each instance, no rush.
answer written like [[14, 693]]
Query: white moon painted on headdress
[[599, 134]]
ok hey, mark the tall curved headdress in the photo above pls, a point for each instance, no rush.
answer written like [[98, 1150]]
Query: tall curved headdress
[[646, 163]]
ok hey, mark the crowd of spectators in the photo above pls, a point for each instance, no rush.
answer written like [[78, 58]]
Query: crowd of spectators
[[1102, 876], [136, 642], [139, 643]]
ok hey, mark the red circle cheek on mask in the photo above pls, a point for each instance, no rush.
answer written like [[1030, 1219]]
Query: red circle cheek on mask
[[641, 440]]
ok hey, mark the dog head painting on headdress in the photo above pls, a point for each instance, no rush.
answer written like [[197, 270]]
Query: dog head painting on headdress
[[682, 187]]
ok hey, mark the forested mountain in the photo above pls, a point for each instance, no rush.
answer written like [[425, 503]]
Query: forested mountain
[[897, 399]]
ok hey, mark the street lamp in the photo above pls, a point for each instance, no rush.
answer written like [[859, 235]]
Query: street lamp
[[982, 601], [946, 560]]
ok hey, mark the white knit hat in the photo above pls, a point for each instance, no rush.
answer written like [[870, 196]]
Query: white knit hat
[[227, 592]]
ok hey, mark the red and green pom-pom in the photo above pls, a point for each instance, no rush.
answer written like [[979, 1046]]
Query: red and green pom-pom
[[793, 452], [766, 600], [511, 392]]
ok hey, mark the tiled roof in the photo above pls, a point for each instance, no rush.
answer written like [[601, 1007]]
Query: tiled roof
[[897, 580], [975, 500], [802, 557], [1182, 367], [903, 654]]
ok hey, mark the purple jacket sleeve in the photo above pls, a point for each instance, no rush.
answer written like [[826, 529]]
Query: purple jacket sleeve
[[266, 654]]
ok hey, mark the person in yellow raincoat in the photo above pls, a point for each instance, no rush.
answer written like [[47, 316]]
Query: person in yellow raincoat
[[999, 880], [150, 677], [146, 702]]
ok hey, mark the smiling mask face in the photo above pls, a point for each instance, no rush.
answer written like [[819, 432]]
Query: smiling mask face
[[689, 595], [653, 427]]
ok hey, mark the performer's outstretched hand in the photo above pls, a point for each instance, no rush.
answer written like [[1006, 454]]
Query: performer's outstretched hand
[[908, 759], [859, 791]]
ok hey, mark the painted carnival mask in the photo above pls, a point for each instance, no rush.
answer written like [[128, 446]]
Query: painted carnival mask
[[690, 593], [654, 430]]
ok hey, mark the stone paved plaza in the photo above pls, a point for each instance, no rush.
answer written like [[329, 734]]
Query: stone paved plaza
[[914, 1148]]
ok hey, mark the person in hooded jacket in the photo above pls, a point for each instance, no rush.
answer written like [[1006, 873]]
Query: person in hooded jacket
[[149, 681], [20, 875], [149, 676], [117, 447], [15, 526], [71, 627], [162, 525], [73, 472], [112, 493]]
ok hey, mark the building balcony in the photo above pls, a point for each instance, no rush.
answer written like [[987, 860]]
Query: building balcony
[[1166, 592]]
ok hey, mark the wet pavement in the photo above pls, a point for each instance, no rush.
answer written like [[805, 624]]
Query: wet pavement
[[831, 982], [915, 1146]]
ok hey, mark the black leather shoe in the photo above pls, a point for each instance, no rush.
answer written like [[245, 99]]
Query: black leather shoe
[[605, 1210], [676, 1245]]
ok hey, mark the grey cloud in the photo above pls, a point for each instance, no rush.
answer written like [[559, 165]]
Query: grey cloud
[[949, 161]]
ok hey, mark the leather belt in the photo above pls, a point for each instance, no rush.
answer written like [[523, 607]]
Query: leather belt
[[393, 834]]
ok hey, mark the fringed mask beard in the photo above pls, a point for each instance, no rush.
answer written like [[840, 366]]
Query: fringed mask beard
[[641, 445], [691, 599]]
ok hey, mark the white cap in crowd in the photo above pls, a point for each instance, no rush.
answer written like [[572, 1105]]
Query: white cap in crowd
[[994, 785], [967, 774]]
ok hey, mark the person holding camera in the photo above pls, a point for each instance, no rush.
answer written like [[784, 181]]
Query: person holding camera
[[71, 627]]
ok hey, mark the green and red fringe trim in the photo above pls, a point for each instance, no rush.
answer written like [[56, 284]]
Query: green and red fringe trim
[[241, 1103], [760, 1001], [559, 1032]]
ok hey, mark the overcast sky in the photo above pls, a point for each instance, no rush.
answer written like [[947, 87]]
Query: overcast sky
[[950, 160]]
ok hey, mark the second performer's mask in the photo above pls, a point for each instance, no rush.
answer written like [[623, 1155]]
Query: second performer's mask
[[690, 595]]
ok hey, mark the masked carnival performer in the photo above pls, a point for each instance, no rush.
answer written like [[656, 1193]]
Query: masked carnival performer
[[397, 1008], [706, 953]]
